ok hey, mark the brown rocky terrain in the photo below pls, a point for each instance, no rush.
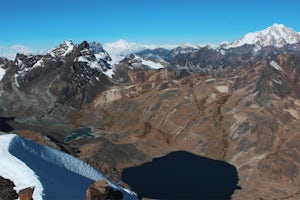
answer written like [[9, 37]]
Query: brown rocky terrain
[[26, 194], [246, 113], [101, 190], [6, 190]]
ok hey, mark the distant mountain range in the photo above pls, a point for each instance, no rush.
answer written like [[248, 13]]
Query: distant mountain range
[[276, 35]]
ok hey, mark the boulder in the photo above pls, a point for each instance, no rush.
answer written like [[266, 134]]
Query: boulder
[[101, 190], [98, 190], [26, 194]]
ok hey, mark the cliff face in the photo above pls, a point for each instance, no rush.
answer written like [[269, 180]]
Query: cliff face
[[238, 105]]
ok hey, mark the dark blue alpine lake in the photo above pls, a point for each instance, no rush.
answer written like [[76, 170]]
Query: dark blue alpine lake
[[182, 175], [77, 133]]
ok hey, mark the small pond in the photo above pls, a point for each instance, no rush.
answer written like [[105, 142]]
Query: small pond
[[77, 133], [182, 175]]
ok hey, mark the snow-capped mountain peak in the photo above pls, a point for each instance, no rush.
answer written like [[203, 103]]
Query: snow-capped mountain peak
[[276, 35], [63, 49], [94, 61], [118, 50], [123, 44], [184, 49], [99, 52]]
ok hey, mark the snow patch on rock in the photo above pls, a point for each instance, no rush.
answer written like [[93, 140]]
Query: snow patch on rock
[[39, 63], [151, 64], [95, 65], [223, 88], [16, 80], [276, 65], [2, 73]]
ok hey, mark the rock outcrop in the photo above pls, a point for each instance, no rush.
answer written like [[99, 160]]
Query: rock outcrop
[[7, 191], [26, 194], [100, 190]]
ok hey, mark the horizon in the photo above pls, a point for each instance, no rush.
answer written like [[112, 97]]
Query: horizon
[[26, 26], [11, 51]]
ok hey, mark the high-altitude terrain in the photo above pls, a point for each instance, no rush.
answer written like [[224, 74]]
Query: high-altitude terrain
[[239, 102]]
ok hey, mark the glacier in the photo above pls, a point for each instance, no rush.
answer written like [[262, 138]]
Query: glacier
[[54, 174]]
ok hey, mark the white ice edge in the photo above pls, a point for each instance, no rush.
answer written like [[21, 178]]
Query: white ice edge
[[16, 170]]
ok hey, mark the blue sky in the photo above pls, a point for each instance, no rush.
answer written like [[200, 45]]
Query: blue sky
[[42, 24]]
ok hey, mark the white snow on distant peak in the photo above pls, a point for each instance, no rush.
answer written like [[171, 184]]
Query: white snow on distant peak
[[39, 63], [20, 64], [121, 49], [63, 49], [151, 64], [95, 65], [276, 35], [11, 51], [2, 73], [16, 80], [109, 72], [69, 45], [256, 48], [17, 171], [102, 56], [22, 69], [276, 65], [54, 174], [223, 52], [212, 46], [188, 45]]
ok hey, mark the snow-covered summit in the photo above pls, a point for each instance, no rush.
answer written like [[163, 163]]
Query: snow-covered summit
[[99, 52], [120, 49], [276, 35], [63, 49], [94, 60], [54, 174], [184, 49]]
